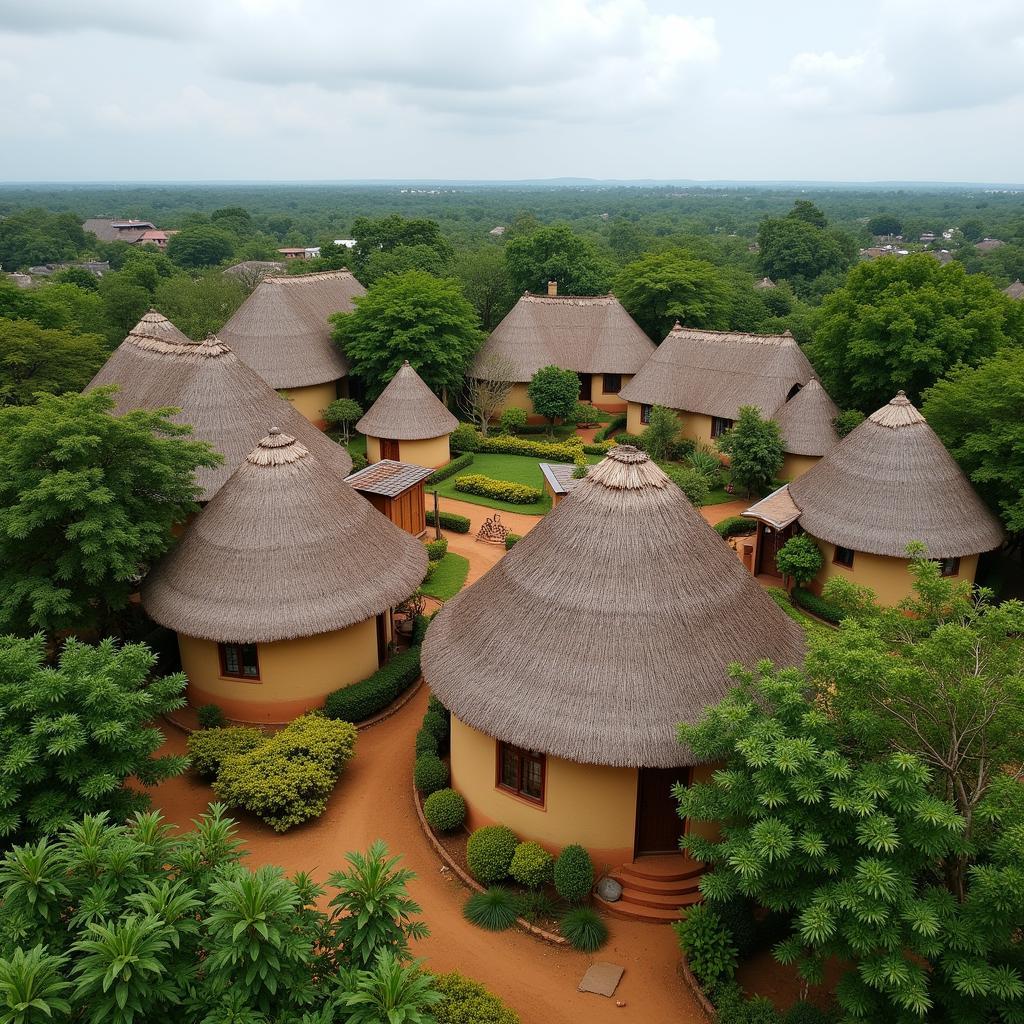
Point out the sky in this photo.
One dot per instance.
(818, 90)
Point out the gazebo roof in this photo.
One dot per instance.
(407, 410)
(226, 402)
(891, 482)
(283, 332)
(285, 549)
(806, 421)
(716, 372)
(585, 333)
(615, 618)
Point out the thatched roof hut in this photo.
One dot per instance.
(224, 401)
(283, 332)
(806, 421)
(890, 482)
(1015, 290)
(611, 621)
(584, 333)
(716, 372)
(407, 410)
(285, 549)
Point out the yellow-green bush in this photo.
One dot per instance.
(208, 748)
(468, 1002)
(289, 777)
(505, 444)
(503, 490)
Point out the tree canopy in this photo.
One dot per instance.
(754, 447)
(201, 245)
(901, 324)
(87, 501)
(799, 248)
(554, 393)
(376, 235)
(33, 359)
(413, 316)
(557, 253)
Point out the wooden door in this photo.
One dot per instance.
(585, 386)
(658, 825)
(768, 547)
(389, 449)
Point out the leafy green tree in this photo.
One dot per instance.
(663, 287)
(413, 316)
(30, 237)
(848, 421)
(74, 733)
(235, 219)
(885, 224)
(87, 502)
(54, 306)
(385, 234)
(341, 414)
(554, 393)
(754, 447)
(800, 558)
(808, 212)
(33, 359)
(199, 306)
(485, 281)
(201, 245)
(123, 305)
(662, 433)
(977, 413)
(557, 253)
(901, 324)
(80, 277)
(973, 229)
(402, 259)
(797, 251)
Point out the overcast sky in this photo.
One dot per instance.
(334, 89)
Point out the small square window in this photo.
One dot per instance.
(844, 556)
(719, 425)
(239, 661)
(521, 772)
(611, 383)
(645, 414)
(949, 566)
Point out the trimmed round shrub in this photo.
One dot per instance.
(489, 853)
(437, 549)
(574, 874)
(210, 748)
(445, 810)
(584, 929)
(494, 909)
(430, 774)
(438, 724)
(465, 438)
(433, 704)
(511, 539)
(426, 742)
(532, 865)
(513, 419)
(211, 717)
(468, 1002)
(735, 526)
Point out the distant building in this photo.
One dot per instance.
(97, 267)
(928, 236)
(308, 252)
(764, 284)
(349, 243)
(109, 230)
(156, 237)
(944, 256)
(989, 244)
(497, 231)
(20, 280)
(1015, 290)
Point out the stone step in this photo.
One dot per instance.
(670, 868)
(664, 900)
(656, 886)
(638, 912)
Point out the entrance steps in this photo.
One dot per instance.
(657, 889)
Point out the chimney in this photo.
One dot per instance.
(552, 289)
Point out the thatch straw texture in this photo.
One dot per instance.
(611, 621)
(891, 482)
(1015, 290)
(407, 410)
(284, 550)
(716, 372)
(224, 401)
(805, 421)
(588, 334)
(282, 329)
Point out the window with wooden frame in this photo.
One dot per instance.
(844, 556)
(645, 414)
(948, 566)
(719, 425)
(239, 661)
(611, 383)
(522, 772)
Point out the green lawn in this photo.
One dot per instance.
(520, 469)
(449, 577)
(357, 445)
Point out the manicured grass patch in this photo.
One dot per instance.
(357, 445)
(449, 577)
(720, 495)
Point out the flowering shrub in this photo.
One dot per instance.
(503, 490)
(208, 748)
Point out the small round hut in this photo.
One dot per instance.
(408, 423)
(807, 424)
(281, 589)
(569, 665)
(224, 401)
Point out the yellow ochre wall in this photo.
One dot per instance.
(693, 425)
(592, 805)
(888, 577)
(295, 675)
(609, 401)
(311, 401)
(431, 452)
(796, 465)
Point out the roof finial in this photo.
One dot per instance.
(677, 326)
(274, 431)
(405, 362)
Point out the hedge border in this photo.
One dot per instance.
(450, 521)
(450, 468)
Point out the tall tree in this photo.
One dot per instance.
(754, 447)
(33, 359)
(413, 316)
(557, 253)
(554, 393)
(87, 502)
(485, 280)
(201, 245)
(201, 305)
(901, 324)
(384, 234)
(795, 250)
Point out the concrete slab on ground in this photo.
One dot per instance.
(602, 978)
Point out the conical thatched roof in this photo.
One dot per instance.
(1015, 290)
(585, 333)
(407, 410)
(282, 330)
(890, 482)
(716, 372)
(611, 621)
(284, 550)
(806, 421)
(224, 401)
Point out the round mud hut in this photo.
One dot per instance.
(224, 401)
(807, 425)
(281, 589)
(283, 331)
(569, 665)
(408, 423)
(887, 484)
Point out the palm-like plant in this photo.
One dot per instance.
(31, 988)
(391, 991)
(31, 879)
(372, 911)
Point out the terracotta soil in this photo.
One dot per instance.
(374, 800)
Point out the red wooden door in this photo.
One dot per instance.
(658, 825)
(389, 449)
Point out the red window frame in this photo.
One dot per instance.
(846, 559)
(521, 760)
(645, 414)
(222, 653)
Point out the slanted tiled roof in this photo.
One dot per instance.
(559, 476)
(388, 478)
